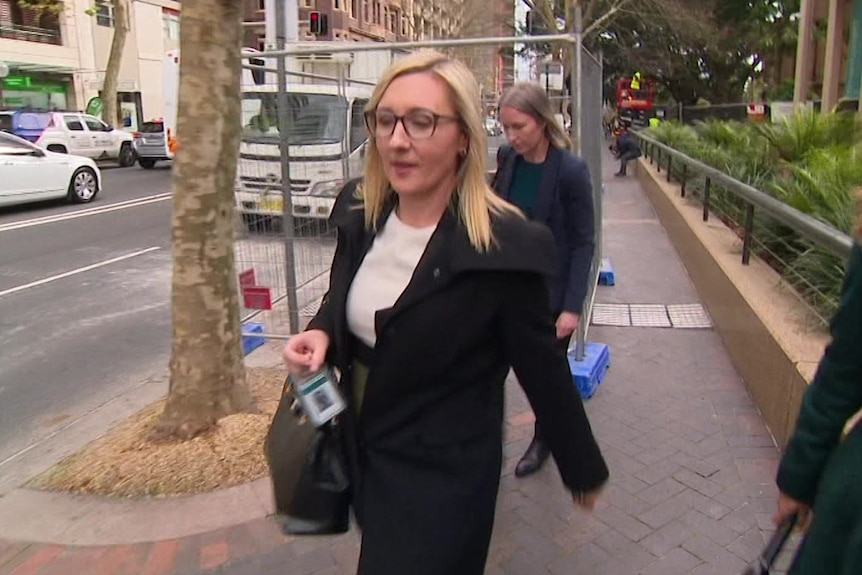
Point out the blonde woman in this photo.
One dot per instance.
(437, 287)
(819, 471)
(537, 173)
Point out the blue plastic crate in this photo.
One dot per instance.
(590, 371)
(251, 342)
(606, 273)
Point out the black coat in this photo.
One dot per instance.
(426, 451)
(565, 204)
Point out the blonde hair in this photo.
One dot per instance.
(476, 201)
(530, 99)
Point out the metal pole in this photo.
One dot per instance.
(579, 74)
(284, 121)
(345, 144)
(576, 88)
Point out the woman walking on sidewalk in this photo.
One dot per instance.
(436, 288)
(820, 469)
(537, 173)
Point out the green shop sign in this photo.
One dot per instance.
(28, 84)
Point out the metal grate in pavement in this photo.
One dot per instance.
(649, 315)
(683, 316)
(689, 316)
(611, 314)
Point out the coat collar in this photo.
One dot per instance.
(518, 245)
(547, 185)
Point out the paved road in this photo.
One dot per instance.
(84, 293)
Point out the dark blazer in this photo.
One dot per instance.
(565, 205)
(425, 452)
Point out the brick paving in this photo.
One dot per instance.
(692, 463)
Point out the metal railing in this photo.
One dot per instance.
(31, 34)
(809, 253)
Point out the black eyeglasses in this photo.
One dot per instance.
(418, 124)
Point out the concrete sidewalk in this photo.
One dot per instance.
(692, 464)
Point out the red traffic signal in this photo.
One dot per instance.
(318, 23)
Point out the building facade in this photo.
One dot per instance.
(406, 20)
(57, 59)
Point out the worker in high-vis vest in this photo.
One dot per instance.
(636, 81)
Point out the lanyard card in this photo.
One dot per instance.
(319, 396)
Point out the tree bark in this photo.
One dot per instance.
(207, 378)
(115, 58)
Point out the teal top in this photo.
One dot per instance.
(525, 185)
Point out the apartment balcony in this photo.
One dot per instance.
(12, 31)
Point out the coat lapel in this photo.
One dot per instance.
(503, 184)
(431, 274)
(547, 187)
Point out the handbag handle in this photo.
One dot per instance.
(773, 548)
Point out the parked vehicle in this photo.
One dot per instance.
(328, 134)
(151, 144)
(74, 133)
(6, 120)
(29, 173)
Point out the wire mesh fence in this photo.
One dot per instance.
(310, 125)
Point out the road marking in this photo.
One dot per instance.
(85, 213)
(77, 271)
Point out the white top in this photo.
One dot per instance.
(384, 274)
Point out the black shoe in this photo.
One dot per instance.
(535, 456)
(620, 175)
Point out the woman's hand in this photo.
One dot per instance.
(306, 351)
(567, 323)
(788, 506)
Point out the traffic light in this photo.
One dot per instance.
(318, 23)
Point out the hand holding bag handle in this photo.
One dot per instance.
(767, 558)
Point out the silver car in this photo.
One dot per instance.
(151, 144)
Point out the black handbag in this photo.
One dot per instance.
(308, 472)
(763, 564)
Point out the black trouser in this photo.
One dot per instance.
(563, 344)
(625, 158)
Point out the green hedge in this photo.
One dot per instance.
(810, 161)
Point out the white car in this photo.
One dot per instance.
(29, 173)
(75, 133)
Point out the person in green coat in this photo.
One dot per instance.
(820, 475)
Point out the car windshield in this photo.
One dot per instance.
(314, 118)
(12, 146)
(32, 120)
(152, 128)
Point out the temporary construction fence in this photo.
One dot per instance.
(302, 114)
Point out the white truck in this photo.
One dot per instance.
(327, 137)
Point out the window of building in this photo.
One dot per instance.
(104, 12)
(366, 16)
(261, 42)
(339, 5)
(261, 5)
(354, 9)
(171, 21)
